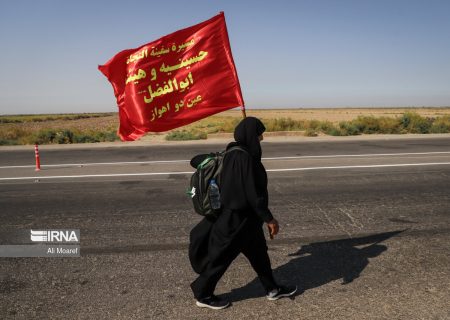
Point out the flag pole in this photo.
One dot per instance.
(243, 112)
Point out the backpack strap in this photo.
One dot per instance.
(236, 148)
(204, 162)
(212, 155)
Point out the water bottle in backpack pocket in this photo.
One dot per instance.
(214, 195)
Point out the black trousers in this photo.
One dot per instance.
(252, 243)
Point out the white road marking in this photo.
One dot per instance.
(187, 161)
(359, 155)
(190, 172)
(362, 166)
(96, 164)
(98, 175)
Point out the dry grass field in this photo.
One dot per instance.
(73, 128)
(336, 115)
(330, 121)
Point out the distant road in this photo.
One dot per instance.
(272, 147)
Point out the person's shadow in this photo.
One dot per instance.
(319, 263)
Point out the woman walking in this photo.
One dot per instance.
(215, 243)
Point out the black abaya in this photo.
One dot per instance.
(214, 244)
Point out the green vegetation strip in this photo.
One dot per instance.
(410, 122)
(54, 136)
(46, 117)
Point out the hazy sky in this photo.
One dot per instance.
(313, 53)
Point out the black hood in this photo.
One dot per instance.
(246, 134)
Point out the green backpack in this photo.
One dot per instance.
(199, 188)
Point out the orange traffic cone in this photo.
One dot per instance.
(38, 161)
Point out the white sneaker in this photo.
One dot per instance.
(213, 302)
(281, 292)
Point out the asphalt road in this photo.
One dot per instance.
(365, 228)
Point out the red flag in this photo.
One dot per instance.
(175, 80)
